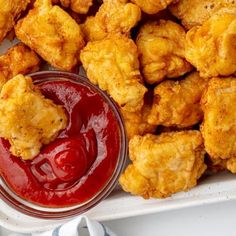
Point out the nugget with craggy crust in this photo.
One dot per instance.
(113, 65)
(113, 17)
(18, 60)
(27, 119)
(211, 47)
(10, 11)
(78, 6)
(219, 126)
(161, 46)
(52, 33)
(152, 6)
(177, 103)
(164, 164)
(136, 123)
(196, 12)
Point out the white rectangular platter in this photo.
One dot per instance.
(212, 189)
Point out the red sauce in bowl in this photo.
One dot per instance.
(79, 163)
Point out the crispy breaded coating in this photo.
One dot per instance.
(177, 103)
(18, 60)
(113, 17)
(113, 65)
(78, 6)
(196, 12)
(161, 46)
(164, 164)
(136, 123)
(134, 182)
(52, 33)
(211, 47)
(27, 119)
(152, 6)
(10, 11)
(231, 165)
(219, 126)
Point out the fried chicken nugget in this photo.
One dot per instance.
(113, 17)
(219, 126)
(177, 103)
(78, 6)
(136, 123)
(152, 6)
(10, 11)
(211, 47)
(113, 65)
(27, 119)
(164, 164)
(161, 46)
(52, 33)
(196, 12)
(18, 60)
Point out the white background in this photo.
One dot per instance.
(211, 220)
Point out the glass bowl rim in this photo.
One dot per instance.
(109, 186)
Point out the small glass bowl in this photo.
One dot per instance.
(34, 210)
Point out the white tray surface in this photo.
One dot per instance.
(217, 188)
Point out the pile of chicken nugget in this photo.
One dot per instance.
(170, 66)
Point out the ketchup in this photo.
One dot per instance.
(79, 162)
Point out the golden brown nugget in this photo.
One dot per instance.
(78, 6)
(18, 60)
(52, 33)
(219, 126)
(161, 46)
(152, 6)
(231, 165)
(113, 17)
(196, 12)
(164, 164)
(177, 103)
(211, 47)
(136, 123)
(27, 119)
(113, 65)
(10, 11)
